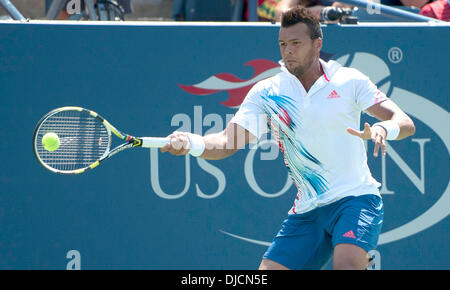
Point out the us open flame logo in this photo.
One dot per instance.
(428, 112)
(237, 88)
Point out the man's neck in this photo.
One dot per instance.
(310, 76)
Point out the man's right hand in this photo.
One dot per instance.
(178, 145)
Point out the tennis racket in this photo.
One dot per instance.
(84, 140)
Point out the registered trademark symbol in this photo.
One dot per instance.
(395, 55)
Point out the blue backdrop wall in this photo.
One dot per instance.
(147, 210)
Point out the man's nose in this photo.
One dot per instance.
(289, 49)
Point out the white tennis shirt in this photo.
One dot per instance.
(325, 162)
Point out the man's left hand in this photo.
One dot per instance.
(376, 133)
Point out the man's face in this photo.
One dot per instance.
(297, 48)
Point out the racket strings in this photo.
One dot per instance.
(82, 140)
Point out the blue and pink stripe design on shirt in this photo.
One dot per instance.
(285, 123)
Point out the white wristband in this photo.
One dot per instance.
(391, 127)
(197, 144)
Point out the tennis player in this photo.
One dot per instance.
(313, 108)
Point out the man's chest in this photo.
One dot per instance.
(326, 107)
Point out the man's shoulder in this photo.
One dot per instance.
(339, 73)
(270, 82)
(350, 73)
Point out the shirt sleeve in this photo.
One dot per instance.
(250, 115)
(367, 93)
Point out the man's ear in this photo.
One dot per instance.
(318, 43)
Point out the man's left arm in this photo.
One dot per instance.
(394, 125)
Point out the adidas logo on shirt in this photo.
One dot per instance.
(333, 95)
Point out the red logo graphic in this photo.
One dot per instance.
(349, 234)
(237, 88)
(333, 95)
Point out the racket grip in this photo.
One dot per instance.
(154, 142)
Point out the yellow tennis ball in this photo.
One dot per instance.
(50, 141)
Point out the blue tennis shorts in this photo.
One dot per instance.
(306, 241)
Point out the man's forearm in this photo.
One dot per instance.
(406, 125)
(388, 111)
(217, 147)
(213, 146)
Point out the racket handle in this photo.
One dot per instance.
(154, 142)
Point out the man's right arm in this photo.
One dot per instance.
(217, 146)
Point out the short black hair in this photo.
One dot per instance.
(300, 14)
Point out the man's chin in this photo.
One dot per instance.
(298, 71)
(294, 69)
